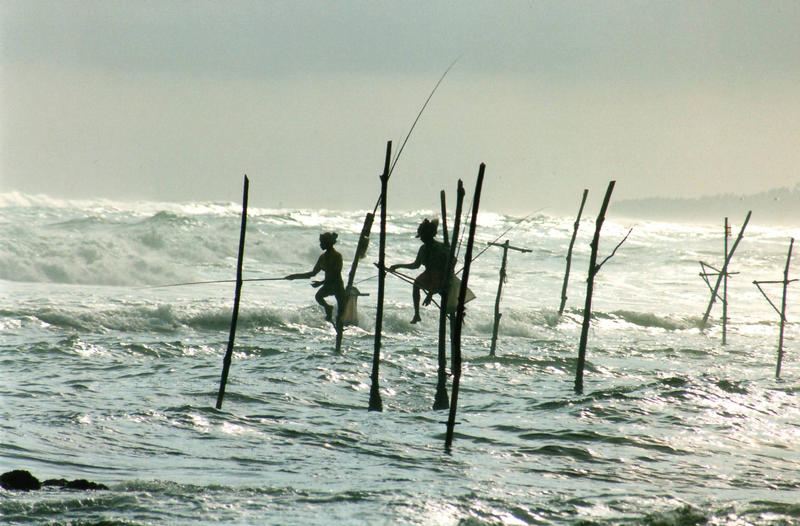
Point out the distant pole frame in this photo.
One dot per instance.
(782, 311)
(722, 272)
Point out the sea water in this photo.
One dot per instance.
(109, 378)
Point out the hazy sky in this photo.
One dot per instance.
(176, 100)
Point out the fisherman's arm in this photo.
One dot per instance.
(416, 264)
(306, 275)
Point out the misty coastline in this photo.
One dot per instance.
(778, 206)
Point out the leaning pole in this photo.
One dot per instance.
(226, 362)
(569, 253)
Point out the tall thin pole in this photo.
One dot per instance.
(441, 399)
(587, 309)
(226, 362)
(569, 253)
(503, 275)
(443, 199)
(783, 310)
(725, 290)
(497, 314)
(460, 312)
(375, 402)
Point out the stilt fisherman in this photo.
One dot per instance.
(330, 261)
(433, 255)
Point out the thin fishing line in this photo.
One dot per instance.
(397, 157)
(408, 135)
(506, 231)
(208, 282)
(365, 279)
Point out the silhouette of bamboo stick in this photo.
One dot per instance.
(569, 253)
(226, 362)
(441, 399)
(497, 315)
(460, 312)
(375, 402)
(594, 268)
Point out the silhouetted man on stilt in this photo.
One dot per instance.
(433, 256)
(329, 261)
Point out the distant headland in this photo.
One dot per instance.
(778, 206)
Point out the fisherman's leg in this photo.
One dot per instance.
(321, 293)
(415, 296)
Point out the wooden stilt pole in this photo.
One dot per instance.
(226, 362)
(782, 311)
(725, 290)
(460, 312)
(375, 402)
(724, 270)
(594, 268)
(361, 249)
(497, 315)
(442, 400)
(443, 199)
(569, 253)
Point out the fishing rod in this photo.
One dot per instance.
(207, 282)
(404, 277)
(506, 231)
(430, 96)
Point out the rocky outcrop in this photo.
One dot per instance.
(19, 479)
(74, 484)
(22, 480)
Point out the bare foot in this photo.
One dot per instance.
(416, 318)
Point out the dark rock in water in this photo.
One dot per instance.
(74, 484)
(85, 484)
(19, 479)
(61, 483)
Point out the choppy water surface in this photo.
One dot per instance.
(107, 380)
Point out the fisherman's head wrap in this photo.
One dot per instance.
(427, 229)
(328, 239)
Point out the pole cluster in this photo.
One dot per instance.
(460, 310)
(722, 277)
